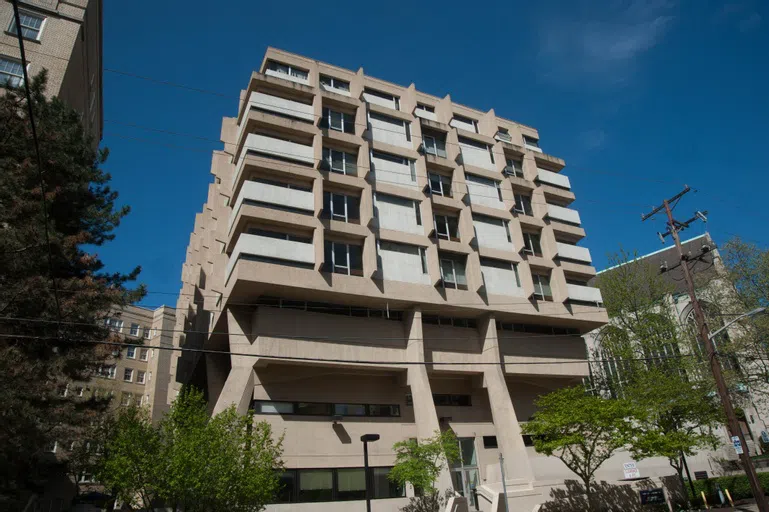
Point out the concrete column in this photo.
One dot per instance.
(425, 415)
(239, 386)
(517, 468)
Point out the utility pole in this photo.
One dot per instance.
(674, 227)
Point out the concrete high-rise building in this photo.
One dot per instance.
(66, 39)
(354, 225)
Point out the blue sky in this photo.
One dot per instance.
(639, 97)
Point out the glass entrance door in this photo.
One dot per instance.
(464, 472)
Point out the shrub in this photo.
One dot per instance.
(738, 487)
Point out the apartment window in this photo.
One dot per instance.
(480, 187)
(340, 121)
(331, 309)
(440, 184)
(342, 258)
(464, 123)
(147, 332)
(290, 186)
(490, 442)
(143, 354)
(488, 263)
(128, 375)
(134, 330)
(434, 144)
(335, 484)
(31, 25)
(542, 288)
(107, 372)
(381, 98)
(340, 207)
(423, 256)
(523, 204)
(446, 400)
(390, 174)
(503, 134)
(514, 167)
(339, 161)
(11, 72)
(287, 70)
(468, 323)
(531, 244)
(324, 409)
(125, 399)
(334, 83)
(130, 352)
(426, 108)
(280, 236)
(114, 324)
(446, 227)
(530, 141)
(141, 377)
(453, 271)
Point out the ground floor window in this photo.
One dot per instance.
(337, 484)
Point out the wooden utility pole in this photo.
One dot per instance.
(674, 227)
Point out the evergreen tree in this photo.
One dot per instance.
(53, 296)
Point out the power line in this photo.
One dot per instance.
(349, 361)
(33, 127)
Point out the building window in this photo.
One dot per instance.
(514, 167)
(351, 484)
(339, 161)
(143, 354)
(147, 332)
(426, 108)
(330, 309)
(107, 371)
(381, 98)
(325, 409)
(490, 441)
(334, 83)
(542, 287)
(11, 72)
(114, 324)
(342, 258)
(340, 207)
(287, 70)
(280, 236)
(338, 484)
(434, 144)
(128, 375)
(530, 142)
(468, 323)
(340, 121)
(140, 377)
(446, 227)
(453, 271)
(134, 330)
(316, 485)
(125, 399)
(488, 263)
(503, 134)
(531, 244)
(464, 123)
(31, 25)
(446, 400)
(130, 352)
(440, 184)
(423, 255)
(523, 204)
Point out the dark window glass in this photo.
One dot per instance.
(315, 485)
(452, 400)
(313, 409)
(349, 123)
(384, 410)
(528, 441)
(490, 441)
(349, 409)
(287, 487)
(382, 486)
(351, 484)
(353, 208)
(356, 257)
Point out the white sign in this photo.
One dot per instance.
(737, 444)
(765, 436)
(630, 470)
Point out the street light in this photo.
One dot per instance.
(367, 438)
(744, 315)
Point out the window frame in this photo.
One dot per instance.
(141, 377)
(144, 354)
(128, 372)
(523, 205)
(454, 282)
(529, 241)
(333, 82)
(445, 224)
(23, 12)
(327, 116)
(291, 70)
(134, 330)
(531, 142)
(444, 181)
(327, 155)
(332, 215)
(435, 150)
(537, 279)
(335, 268)
(130, 352)
(19, 79)
(512, 168)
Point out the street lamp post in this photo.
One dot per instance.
(367, 438)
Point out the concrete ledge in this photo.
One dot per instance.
(484, 139)
(385, 111)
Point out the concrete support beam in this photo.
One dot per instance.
(518, 471)
(425, 415)
(239, 386)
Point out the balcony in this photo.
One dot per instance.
(280, 149)
(476, 156)
(573, 252)
(284, 197)
(424, 114)
(271, 248)
(389, 131)
(580, 293)
(393, 170)
(553, 178)
(567, 215)
(282, 106)
(286, 76)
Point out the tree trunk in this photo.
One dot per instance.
(588, 494)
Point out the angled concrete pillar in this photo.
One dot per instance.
(239, 386)
(425, 415)
(518, 471)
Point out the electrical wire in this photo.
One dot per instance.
(346, 361)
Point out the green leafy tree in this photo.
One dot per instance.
(420, 463)
(39, 355)
(190, 461)
(654, 363)
(581, 429)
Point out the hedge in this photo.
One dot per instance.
(738, 487)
